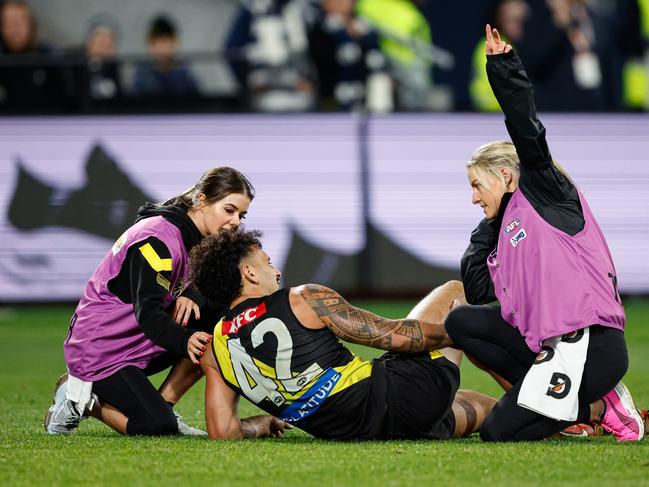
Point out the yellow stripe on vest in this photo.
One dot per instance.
(222, 355)
(154, 259)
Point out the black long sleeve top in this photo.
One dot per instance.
(138, 283)
(549, 191)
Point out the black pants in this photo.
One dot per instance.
(130, 391)
(484, 335)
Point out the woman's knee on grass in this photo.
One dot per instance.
(493, 429)
(162, 424)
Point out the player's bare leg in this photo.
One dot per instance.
(470, 408)
(182, 376)
(110, 416)
(435, 307)
(502, 382)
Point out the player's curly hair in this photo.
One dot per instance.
(214, 264)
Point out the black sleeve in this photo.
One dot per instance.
(478, 287)
(514, 93)
(139, 283)
(550, 192)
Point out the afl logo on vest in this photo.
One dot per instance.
(512, 225)
(559, 386)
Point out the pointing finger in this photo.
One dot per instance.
(496, 35)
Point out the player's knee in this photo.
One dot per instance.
(488, 431)
(457, 324)
(456, 286)
(165, 424)
(491, 430)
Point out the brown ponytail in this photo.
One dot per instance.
(215, 184)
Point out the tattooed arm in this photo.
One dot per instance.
(319, 307)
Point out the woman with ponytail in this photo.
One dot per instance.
(135, 316)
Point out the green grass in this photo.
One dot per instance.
(32, 359)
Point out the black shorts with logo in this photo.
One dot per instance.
(408, 396)
(420, 393)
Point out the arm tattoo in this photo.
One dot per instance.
(359, 326)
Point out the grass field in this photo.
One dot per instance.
(32, 359)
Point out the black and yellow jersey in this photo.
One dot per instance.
(303, 376)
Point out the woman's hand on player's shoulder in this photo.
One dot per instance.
(182, 310)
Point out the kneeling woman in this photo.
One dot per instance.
(556, 340)
(133, 318)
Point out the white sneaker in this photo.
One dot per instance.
(62, 418)
(186, 430)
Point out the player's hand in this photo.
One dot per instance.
(262, 426)
(182, 310)
(494, 45)
(277, 426)
(196, 345)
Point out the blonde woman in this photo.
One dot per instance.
(556, 340)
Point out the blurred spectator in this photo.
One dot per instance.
(406, 40)
(567, 51)
(268, 54)
(30, 76)
(574, 49)
(101, 43)
(97, 71)
(509, 17)
(164, 75)
(633, 34)
(351, 68)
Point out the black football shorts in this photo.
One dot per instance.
(420, 392)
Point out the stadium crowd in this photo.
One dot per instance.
(335, 55)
